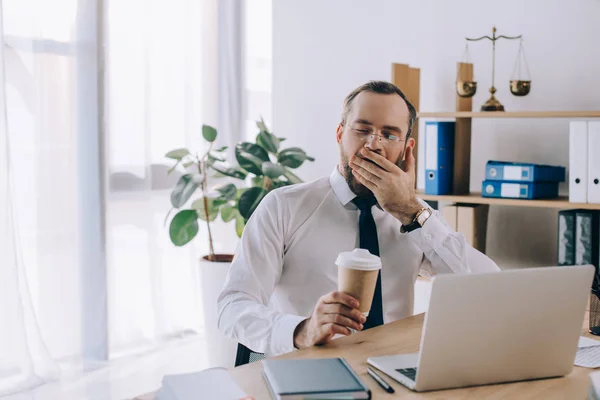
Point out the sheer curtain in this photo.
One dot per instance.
(24, 359)
(169, 69)
(97, 91)
(51, 108)
(157, 63)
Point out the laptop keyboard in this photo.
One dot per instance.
(410, 373)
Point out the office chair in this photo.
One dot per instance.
(245, 355)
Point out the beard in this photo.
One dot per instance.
(357, 188)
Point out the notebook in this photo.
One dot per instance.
(325, 378)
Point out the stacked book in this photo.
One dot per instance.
(521, 180)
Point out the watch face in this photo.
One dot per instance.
(424, 216)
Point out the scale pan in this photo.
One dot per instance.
(520, 88)
(466, 88)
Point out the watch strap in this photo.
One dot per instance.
(415, 223)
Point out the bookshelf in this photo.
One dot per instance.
(561, 202)
(511, 114)
(409, 79)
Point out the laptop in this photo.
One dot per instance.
(505, 326)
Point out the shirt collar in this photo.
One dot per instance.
(340, 187)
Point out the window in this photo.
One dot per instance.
(258, 61)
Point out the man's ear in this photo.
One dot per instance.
(410, 145)
(339, 132)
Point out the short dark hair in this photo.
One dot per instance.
(381, 87)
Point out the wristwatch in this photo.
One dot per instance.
(422, 216)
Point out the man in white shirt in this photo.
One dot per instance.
(281, 290)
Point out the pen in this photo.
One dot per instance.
(379, 380)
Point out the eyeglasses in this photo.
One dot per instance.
(387, 139)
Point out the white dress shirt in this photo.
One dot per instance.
(286, 261)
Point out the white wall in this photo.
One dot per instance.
(322, 49)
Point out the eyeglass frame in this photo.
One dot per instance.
(364, 139)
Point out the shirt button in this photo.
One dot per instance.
(427, 236)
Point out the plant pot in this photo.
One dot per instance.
(221, 350)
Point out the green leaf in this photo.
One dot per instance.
(184, 227)
(209, 133)
(228, 213)
(218, 175)
(227, 170)
(293, 157)
(220, 203)
(272, 170)
(221, 149)
(251, 157)
(291, 177)
(240, 223)
(213, 211)
(228, 191)
(187, 164)
(292, 150)
(214, 155)
(281, 139)
(183, 190)
(239, 194)
(177, 154)
(261, 125)
(250, 200)
(268, 141)
(173, 167)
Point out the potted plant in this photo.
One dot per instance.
(266, 168)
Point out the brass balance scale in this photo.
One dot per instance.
(520, 84)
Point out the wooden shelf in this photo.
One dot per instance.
(475, 198)
(511, 114)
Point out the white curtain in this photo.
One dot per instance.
(24, 359)
(96, 92)
(51, 91)
(156, 65)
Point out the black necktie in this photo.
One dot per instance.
(369, 241)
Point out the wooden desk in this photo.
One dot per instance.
(404, 337)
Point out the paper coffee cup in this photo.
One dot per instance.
(357, 276)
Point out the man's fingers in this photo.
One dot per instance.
(361, 179)
(341, 298)
(361, 163)
(365, 173)
(341, 309)
(383, 162)
(332, 328)
(341, 320)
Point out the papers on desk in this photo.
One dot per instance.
(214, 383)
(588, 353)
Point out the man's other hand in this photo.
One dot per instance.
(335, 313)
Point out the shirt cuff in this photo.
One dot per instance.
(431, 235)
(283, 333)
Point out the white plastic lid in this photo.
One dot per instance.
(358, 259)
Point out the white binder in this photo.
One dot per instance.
(578, 161)
(593, 195)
